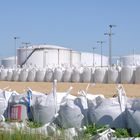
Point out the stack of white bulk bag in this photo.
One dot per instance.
(75, 76)
(69, 115)
(9, 75)
(137, 75)
(108, 112)
(16, 74)
(44, 109)
(86, 75)
(23, 75)
(67, 75)
(127, 75)
(3, 74)
(31, 75)
(133, 116)
(49, 75)
(40, 75)
(100, 75)
(113, 76)
(58, 74)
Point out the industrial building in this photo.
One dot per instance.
(44, 55)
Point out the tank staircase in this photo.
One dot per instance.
(35, 49)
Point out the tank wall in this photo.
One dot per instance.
(8, 63)
(76, 58)
(64, 57)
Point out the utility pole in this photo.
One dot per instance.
(110, 43)
(133, 56)
(93, 56)
(26, 45)
(101, 42)
(15, 38)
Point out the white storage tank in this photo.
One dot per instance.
(8, 62)
(130, 60)
(43, 55)
(88, 59)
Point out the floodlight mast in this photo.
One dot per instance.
(15, 38)
(110, 43)
(101, 42)
(93, 56)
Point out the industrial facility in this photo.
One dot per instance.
(45, 55)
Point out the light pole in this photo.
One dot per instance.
(15, 38)
(101, 42)
(110, 43)
(93, 56)
(26, 45)
(133, 56)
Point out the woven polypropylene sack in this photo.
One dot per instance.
(58, 74)
(100, 76)
(3, 74)
(75, 76)
(113, 76)
(40, 75)
(49, 75)
(67, 75)
(86, 75)
(23, 75)
(127, 75)
(31, 75)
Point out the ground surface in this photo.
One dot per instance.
(132, 90)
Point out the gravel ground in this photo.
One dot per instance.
(132, 90)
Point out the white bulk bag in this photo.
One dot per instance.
(44, 109)
(137, 75)
(3, 106)
(3, 74)
(40, 75)
(9, 75)
(107, 112)
(16, 74)
(23, 75)
(49, 75)
(75, 76)
(67, 75)
(31, 75)
(113, 76)
(133, 116)
(57, 75)
(86, 75)
(127, 75)
(69, 115)
(100, 76)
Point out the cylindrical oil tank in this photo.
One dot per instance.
(43, 55)
(130, 60)
(8, 62)
(75, 58)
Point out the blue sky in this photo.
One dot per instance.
(76, 24)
